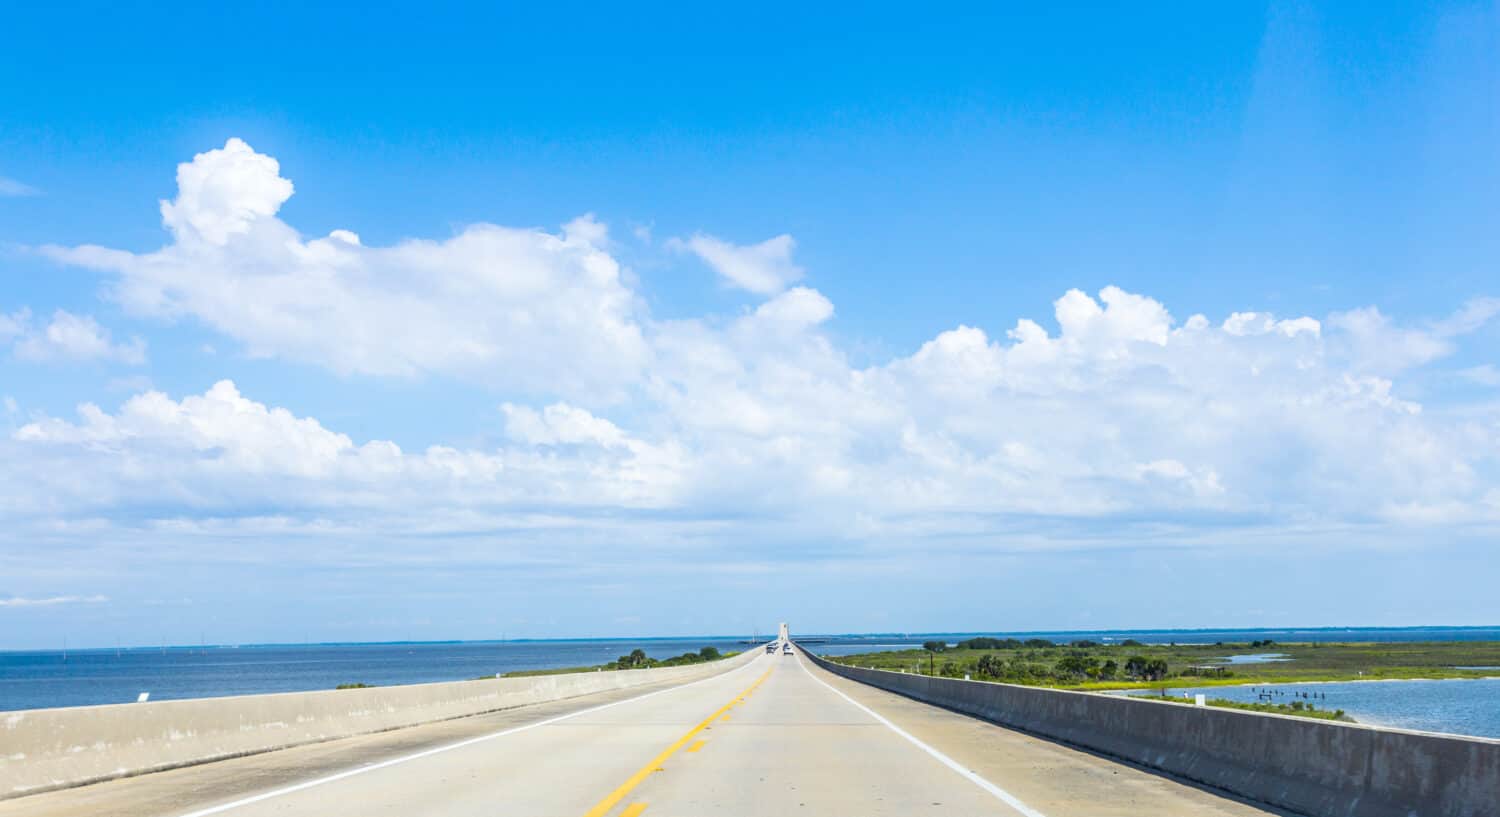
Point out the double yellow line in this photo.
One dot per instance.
(613, 799)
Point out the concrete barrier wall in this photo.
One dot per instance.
(42, 749)
(1309, 766)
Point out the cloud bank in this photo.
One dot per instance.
(1109, 411)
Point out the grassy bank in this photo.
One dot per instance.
(637, 659)
(1294, 708)
(1128, 665)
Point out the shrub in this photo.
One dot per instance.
(991, 665)
(987, 643)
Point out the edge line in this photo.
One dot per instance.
(448, 747)
(1001, 794)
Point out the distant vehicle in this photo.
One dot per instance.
(786, 649)
(770, 648)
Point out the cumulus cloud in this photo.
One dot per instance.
(797, 308)
(765, 268)
(222, 193)
(1259, 323)
(734, 425)
(67, 337)
(1122, 411)
(558, 424)
(221, 452)
(518, 308)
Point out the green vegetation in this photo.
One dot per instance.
(354, 686)
(1130, 664)
(1294, 708)
(637, 659)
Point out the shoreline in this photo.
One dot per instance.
(1127, 690)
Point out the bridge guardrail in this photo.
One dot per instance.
(45, 749)
(1310, 766)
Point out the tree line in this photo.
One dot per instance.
(1028, 667)
(637, 659)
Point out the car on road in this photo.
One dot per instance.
(786, 649)
(770, 648)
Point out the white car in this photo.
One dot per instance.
(786, 649)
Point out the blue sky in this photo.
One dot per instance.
(606, 322)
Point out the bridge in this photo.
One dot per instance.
(763, 733)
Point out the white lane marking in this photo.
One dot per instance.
(1004, 796)
(222, 807)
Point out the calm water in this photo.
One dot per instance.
(31, 680)
(39, 679)
(853, 644)
(1256, 658)
(1461, 706)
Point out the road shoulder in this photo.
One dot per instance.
(1055, 779)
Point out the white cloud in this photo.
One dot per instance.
(222, 452)
(222, 193)
(560, 423)
(220, 426)
(1123, 318)
(1474, 314)
(520, 308)
(1260, 323)
(766, 422)
(765, 268)
(14, 325)
(10, 188)
(67, 337)
(1376, 344)
(1203, 482)
(18, 601)
(751, 428)
(797, 308)
(1485, 375)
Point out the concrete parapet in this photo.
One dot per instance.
(1314, 767)
(44, 749)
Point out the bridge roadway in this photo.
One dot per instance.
(776, 737)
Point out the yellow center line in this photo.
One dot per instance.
(603, 806)
(633, 810)
(696, 745)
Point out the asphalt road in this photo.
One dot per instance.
(776, 737)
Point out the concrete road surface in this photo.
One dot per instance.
(776, 737)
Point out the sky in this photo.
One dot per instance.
(517, 321)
